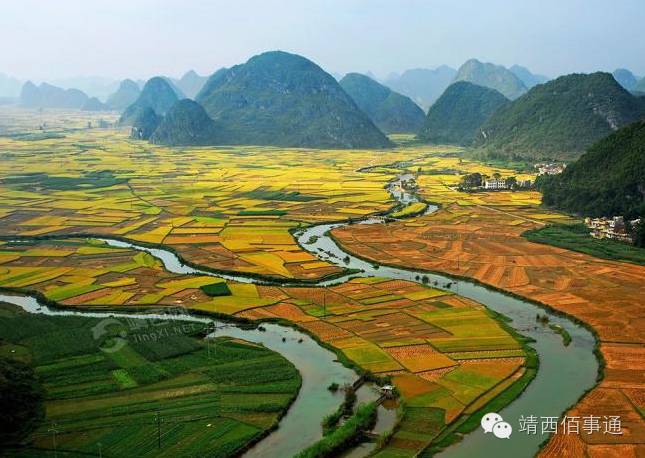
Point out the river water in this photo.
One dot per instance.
(564, 375)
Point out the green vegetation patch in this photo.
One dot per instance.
(123, 379)
(216, 289)
(21, 401)
(345, 436)
(576, 237)
(287, 196)
(211, 400)
(262, 213)
(94, 179)
(607, 180)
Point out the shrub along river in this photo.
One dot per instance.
(564, 375)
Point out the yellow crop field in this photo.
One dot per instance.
(230, 207)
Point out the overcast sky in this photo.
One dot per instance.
(47, 39)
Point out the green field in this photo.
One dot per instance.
(144, 384)
(576, 237)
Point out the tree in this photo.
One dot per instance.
(638, 233)
(511, 182)
(21, 401)
(472, 180)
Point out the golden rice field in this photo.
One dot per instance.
(228, 209)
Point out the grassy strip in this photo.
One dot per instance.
(345, 436)
(330, 422)
(566, 337)
(576, 237)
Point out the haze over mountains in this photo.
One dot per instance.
(93, 86)
(625, 78)
(9, 86)
(102, 88)
(94, 104)
(493, 76)
(528, 78)
(389, 110)
(125, 95)
(640, 87)
(282, 99)
(190, 84)
(422, 85)
(47, 96)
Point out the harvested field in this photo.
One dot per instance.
(487, 245)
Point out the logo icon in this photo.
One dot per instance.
(493, 422)
(111, 343)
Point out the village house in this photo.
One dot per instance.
(610, 228)
(550, 168)
(495, 184)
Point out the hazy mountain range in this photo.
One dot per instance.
(389, 110)
(625, 78)
(528, 78)
(191, 83)
(9, 86)
(493, 76)
(124, 96)
(48, 96)
(157, 94)
(283, 99)
(94, 104)
(422, 85)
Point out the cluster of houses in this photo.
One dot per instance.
(550, 168)
(611, 228)
(410, 184)
(502, 183)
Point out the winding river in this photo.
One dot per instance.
(565, 373)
